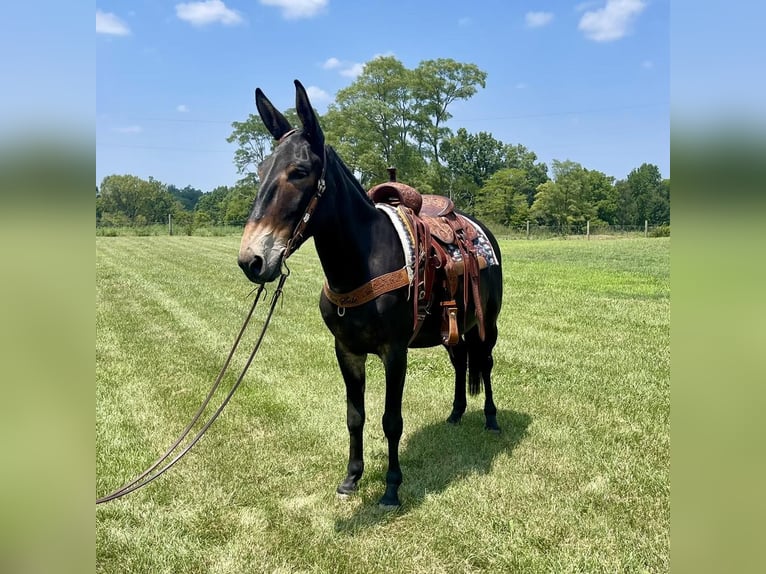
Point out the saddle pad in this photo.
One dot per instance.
(481, 244)
(406, 236)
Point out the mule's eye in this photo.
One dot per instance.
(298, 172)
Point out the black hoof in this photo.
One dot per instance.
(346, 488)
(390, 500)
(388, 505)
(491, 425)
(454, 418)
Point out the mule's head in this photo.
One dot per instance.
(289, 179)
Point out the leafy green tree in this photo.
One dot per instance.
(213, 204)
(573, 197)
(254, 142)
(237, 205)
(372, 121)
(135, 200)
(626, 212)
(473, 157)
(502, 199)
(187, 197)
(650, 194)
(437, 84)
(519, 157)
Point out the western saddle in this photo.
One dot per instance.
(438, 231)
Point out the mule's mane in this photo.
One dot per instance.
(333, 159)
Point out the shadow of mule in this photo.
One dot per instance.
(439, 455)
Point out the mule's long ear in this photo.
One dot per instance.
(272, 118)
(311, 127)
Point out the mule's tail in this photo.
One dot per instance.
(474, 375)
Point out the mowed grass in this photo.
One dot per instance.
(578, 481)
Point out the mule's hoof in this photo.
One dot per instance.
(346, 489)
(491, 424)
(454, 419)
(390, 500)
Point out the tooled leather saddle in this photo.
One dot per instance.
(444, 254)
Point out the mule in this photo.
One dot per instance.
(307, 191)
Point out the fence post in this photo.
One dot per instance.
(587, 229)
(527, 228)
(646, 228)
(170, 223)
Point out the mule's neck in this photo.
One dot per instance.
(345, 229)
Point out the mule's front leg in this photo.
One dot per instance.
(395, 363)
(352, 367)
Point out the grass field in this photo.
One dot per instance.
(577, 482)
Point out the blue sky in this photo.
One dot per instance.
(582, 81)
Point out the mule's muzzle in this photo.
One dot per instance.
(257, 269)
(251, 266)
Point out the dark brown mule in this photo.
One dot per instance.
(307, 190)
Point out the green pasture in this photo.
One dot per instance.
(578, 481)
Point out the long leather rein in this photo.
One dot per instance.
(165, 462)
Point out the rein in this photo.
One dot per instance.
(156, 470)
(165, 462)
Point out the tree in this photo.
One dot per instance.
(573, 197)
(213, 205)
(473, 157)
(372, 121)
(187, 197)
(134, 201)
(519, 157)
(436, 85)
(237, 205)
(650, 194)
(254, 142)
(502, 198)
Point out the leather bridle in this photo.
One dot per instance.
(297, 238)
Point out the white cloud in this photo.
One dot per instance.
(293, 9)
(183, 108)
(647, 64)
(318, 95)
(538, 19)
(611, 22)
(347, 69)
(108, 23)
(352, 70)
(331, 64)
(208, 12)
(464, 22)
(128, 129)
(521, 86)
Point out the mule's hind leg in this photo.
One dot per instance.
(352, 367)
(458, 355)
(480, 363)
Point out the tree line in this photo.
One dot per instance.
(395, 116)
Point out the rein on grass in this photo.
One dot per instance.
(156, 469)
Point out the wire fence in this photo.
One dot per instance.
(585, 230)
(528, 230)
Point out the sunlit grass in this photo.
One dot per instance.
(577, 482)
